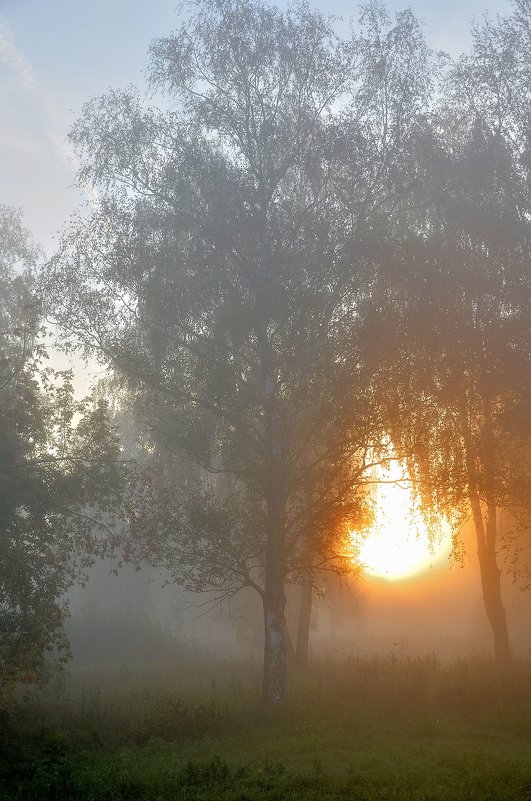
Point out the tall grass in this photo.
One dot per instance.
(362, 728)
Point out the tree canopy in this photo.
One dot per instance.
(221, 269)
(316, 242)
(459, 399)
(55, 476)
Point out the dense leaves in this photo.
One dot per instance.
(54, 476)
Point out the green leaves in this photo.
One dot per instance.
(60, 473)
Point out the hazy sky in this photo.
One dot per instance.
(55, 54)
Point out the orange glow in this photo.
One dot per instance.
(398, 545)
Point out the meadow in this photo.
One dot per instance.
(383, 728)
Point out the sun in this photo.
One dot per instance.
(398, 544)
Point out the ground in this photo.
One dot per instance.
(380, 729)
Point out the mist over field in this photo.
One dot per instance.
(360, 617)
(265, 402)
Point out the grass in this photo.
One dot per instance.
(377, 729)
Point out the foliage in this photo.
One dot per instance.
(51, 473)
(221, 273)
(454, 289)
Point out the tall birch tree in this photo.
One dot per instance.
(221, 270)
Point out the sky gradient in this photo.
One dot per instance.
(55, 55)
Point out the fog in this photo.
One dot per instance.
(134, 617)
(265, 415)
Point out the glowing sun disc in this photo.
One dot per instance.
(398, 545)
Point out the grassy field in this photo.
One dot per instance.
(379, 729)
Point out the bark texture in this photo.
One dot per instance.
(275, 684)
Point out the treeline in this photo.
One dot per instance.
(316, 244)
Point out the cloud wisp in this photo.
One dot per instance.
(14, 60)
(52, 130)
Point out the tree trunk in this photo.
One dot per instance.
(275, 684)
(486, 532)
(491, 579)
(303, 629)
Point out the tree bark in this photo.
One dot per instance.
(275, 686)
(486, 531)
(491, 579)
(275, 683)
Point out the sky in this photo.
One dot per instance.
(56, 54)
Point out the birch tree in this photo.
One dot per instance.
(220, 275)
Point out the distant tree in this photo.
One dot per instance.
(53, 475)
(221, 270)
